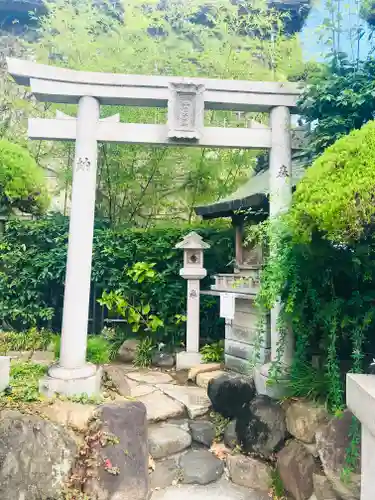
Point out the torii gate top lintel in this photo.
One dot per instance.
(116, 89)
(186, 100)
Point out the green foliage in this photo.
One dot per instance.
(98, 349)
(328, 299)
(30, 340)
(277, 489)
(213, 353)
(22, 182)
(220, 423)
(143, 353)
(24, 381)
(336, 196)
(338, 100)
(137, 316)
(32, 272)
(116, 337)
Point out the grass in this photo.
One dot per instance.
(24, 382)
(98, 349)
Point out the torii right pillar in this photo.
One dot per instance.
(280, 198)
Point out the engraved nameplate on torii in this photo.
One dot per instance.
(185, 111)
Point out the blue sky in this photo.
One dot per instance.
(312, 48)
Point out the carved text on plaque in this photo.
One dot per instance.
(185, 111)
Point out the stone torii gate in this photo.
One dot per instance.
(186, 99)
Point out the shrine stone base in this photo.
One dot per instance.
(264, 386)
(72, 382)
(186, 360)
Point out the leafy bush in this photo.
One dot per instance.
(339, 98)
(98, 349)
(213, 353)
(143, 353)
(31, 340)
(32, 272)
(336, 196)
(22, 182)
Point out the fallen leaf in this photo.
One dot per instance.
(220, 450)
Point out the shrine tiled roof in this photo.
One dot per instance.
(253, 195)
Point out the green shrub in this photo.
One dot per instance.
(213, 353)
(22, 182)
(34, 263)
(30, 340)
(336, 196)
(98, 349)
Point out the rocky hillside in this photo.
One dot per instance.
(15, 14)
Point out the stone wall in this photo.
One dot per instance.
(299, 440)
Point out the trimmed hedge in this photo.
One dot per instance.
(33, 264)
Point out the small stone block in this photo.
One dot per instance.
(202, 368)
(4, 372)
(203, 379)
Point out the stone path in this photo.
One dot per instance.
(180, 433)
(221, 490)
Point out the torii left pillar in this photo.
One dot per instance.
(72, 374)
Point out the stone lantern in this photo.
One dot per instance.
(193, 271)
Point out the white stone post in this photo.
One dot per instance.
(4, 372)
(72, 375)
(193, 271)
(280, 178)
(360, 398)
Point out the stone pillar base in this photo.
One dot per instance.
(274, 390)
(86, 380)
(186, 360)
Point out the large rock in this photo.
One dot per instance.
(128, 350)
(165, 474)
(261, 428)
(296, 467)
(200, 467)
(117, 375)
(36, 457)
(230, 394)
(166, 439)
(163, 359)
(127, 456)
(203, 432)
(333, 439)
(70, 414)
(303, 418)
(322, 488)
(249, 472)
